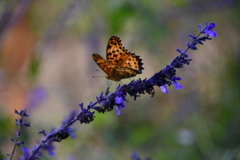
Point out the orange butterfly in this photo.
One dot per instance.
(120, 63)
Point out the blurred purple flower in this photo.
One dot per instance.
(119, 100)
(175, 83)
(35, 97)
(25, 154)
(71, 131)
(70, 117)
(119, 108)
(134, 156)
(50, 148)
(209, 30)
(164, 89)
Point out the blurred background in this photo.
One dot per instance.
(46, 66)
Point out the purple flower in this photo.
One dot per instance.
(70, 117)
(71, 132)
(119, 100)
(119, 108)
(164, 89)
(43, 132)
(192, 45)
(85, 116)
(50, 148)
(175, 83)
(134, 156)
(209, 30)
(25, 153)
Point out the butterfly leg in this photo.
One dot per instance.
(120, 82)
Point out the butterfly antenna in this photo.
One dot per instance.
(99, 71)
(97, 76)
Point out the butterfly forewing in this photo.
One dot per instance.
(119, 55)
(103, 64)
(115, 51)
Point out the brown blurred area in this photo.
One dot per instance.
(16, 48)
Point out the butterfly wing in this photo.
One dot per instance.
(103, 64)
(119, 55)
(119, 73)
(113, 71)
(120, 63)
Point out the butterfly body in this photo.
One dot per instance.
(120, 63)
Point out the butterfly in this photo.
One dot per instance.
(120, 63)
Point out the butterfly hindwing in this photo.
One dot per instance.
(123, 72)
